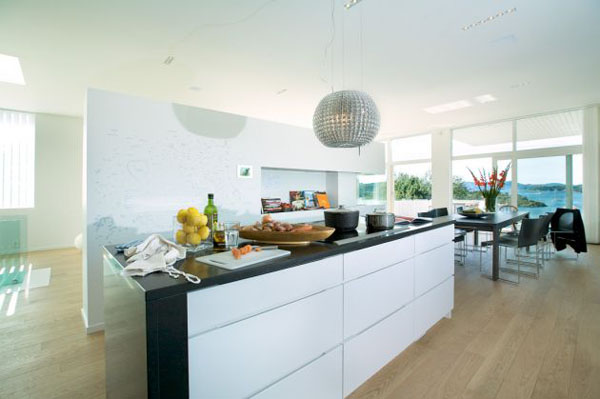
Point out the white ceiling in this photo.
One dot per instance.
(236, 55)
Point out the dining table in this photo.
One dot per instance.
(494, 223)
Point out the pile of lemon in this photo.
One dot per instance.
(194, 227)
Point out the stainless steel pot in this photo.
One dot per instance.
(341, 219)
(379, 220)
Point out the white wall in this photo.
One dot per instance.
(145, 159)
(56, 217)
(441, 169)
(591, 169)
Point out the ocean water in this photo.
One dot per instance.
(553, 200)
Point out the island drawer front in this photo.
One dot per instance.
(433, 238)
(365, 261)
(371, 298)
(243, 358)
(368, 352)
(320, 379)
(433, 306)
(433, 267)
(217, 306)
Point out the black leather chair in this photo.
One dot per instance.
(566, 228)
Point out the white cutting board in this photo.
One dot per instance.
(227, 261)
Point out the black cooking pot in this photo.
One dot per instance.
(377, 221)
(341, 219)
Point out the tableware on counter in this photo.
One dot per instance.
(316, 233)
(341, 219)
(226, 235)
(379, 220)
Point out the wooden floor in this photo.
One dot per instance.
(540, 339)
(44, 351)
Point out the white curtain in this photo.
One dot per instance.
(17, 159)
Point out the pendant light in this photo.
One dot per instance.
(346, 118)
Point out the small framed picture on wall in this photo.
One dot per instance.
(244, 172)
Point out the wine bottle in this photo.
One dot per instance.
(210, 210)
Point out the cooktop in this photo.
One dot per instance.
(362, 233)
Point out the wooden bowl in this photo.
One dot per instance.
(288, 237)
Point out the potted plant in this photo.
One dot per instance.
(489, 185)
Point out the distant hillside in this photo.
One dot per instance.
(530, 187)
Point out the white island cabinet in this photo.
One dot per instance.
(321, 329)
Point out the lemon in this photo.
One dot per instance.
(189, 228)
(182, 216)
(197, 220)
(180, 236)
(194, 239)
(204, 232)
(192, 211)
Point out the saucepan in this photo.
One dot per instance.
(380, 220)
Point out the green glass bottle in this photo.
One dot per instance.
(210, 210)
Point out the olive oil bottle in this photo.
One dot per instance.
(210, 210)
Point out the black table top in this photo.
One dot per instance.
(497, 220)
(159, 285)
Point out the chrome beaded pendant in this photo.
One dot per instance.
(345, 119)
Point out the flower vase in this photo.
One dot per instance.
(490, 203)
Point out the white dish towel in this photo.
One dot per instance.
(156, 254)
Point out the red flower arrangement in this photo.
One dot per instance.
(490, 185)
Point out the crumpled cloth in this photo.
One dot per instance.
(154, 254)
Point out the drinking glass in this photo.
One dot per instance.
(227, 234)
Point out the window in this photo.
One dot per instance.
(550, 131)
(484, 139)
(411, 174)
(372, 189)
(545, 150)
(17, 157)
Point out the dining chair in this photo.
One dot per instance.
(528, 236)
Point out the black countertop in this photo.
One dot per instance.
(160, 285)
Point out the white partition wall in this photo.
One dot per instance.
(591, 167)
(145, 159)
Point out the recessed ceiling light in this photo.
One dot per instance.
(489, 19)
(485, 98)
(351, 3)
(453, 106)
(10, 70)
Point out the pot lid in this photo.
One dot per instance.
(341, 209)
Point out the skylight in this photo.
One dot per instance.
(10, 70)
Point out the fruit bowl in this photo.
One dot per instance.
(190, 230)
(474, 215)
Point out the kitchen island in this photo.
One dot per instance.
(315, 324)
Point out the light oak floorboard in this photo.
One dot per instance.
(539, 339)
(44, 349)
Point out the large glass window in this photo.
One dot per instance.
(550, 131)
(483, 139)
(17, 152)
(542, 184)
(464, 191)
(412, 188)
(372, 189)
(546, 154)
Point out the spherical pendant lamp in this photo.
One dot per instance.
(346, 118)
